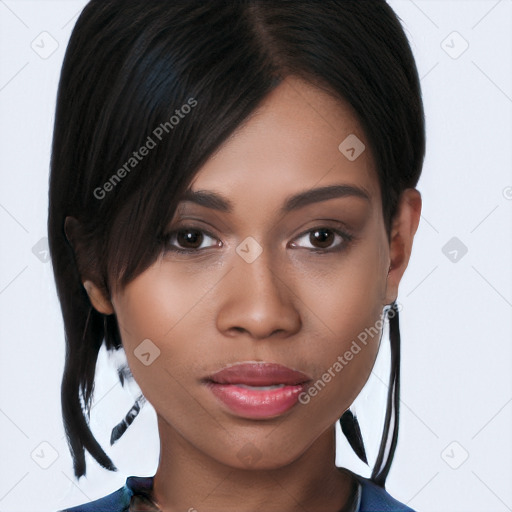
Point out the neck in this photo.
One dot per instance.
(189, 479)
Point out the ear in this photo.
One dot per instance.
(98, 298)
(404, 226)
(87, 268)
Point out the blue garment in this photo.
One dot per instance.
(372, 497)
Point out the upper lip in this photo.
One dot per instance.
(258, 374)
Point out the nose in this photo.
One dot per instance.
(253, 299)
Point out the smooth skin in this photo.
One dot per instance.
(292, 305)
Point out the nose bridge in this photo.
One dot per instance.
(255, 298)
(260, 274)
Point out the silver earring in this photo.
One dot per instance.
(123, 425)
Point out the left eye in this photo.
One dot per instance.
(324, 238)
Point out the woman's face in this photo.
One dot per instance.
(298, 282)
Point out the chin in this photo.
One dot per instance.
(252, 458)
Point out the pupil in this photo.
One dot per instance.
(191, 237)
(324, 240)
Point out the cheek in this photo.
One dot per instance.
(160, 315)
(345, 307)
(347, 292)
(349, 347)
(157, 303)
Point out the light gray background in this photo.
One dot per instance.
(454, 451)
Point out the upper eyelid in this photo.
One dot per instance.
(337, 231)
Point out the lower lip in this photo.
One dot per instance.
(253, 403)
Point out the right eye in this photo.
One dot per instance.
(187, 240)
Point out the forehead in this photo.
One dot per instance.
(299, 138)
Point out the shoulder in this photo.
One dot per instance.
(376, 499)
(118, 501)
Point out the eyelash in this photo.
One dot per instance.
(340, 247)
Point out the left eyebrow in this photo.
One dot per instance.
(316, 195)
(218, 202)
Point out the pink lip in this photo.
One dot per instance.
(257, 403)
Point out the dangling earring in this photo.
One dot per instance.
(352, 431)
(123, 425)
(383, 464)
(126, 377)
(348, 421)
